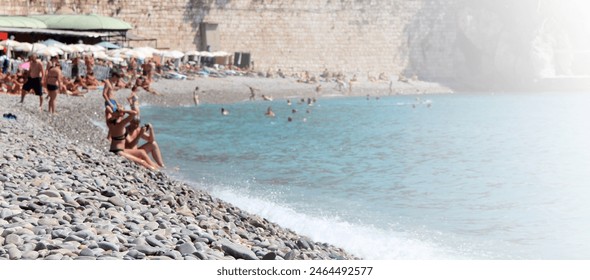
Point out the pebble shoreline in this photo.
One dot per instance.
(66, 200)
(64, 196)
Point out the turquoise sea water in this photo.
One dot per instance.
(472, 176)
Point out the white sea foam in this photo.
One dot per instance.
(363, 241)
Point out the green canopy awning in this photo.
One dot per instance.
(21, 22)
(83, 22)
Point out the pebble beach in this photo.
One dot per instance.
(64, 196)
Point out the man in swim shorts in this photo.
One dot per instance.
(34, 80)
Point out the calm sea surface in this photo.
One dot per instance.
(474, 176)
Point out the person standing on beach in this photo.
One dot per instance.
(34, 80)
(196, 96)
(108, 93)
(252, 93)
(89, 61)
(75, 67)
(148, 69)
(54, 83)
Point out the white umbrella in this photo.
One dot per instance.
(100, 55)
(197, 53)
(95, 48)
(9, 43)
(37, 46)
(148, 50)
(51, 42)
(115, 59)
(137, 54)
(49, 51)
(173, 54)
(207, 54)
(23, 47)
(116, 52)
(76, 47)
(68, 48)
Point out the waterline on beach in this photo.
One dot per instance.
(364, 241)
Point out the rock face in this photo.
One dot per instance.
(85, 203)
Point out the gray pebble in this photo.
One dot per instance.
(30, 255)
(186, 249)
(86, 252)
(14, 253)
(108, 246)
(236, 250)
(13, 239)
(154, 242)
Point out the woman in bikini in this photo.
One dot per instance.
(117, 130)
(54, 83)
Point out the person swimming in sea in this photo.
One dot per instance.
(269, 112)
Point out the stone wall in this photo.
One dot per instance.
(474, 41)
(364, 37)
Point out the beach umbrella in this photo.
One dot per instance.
(173, 54)
(87, 48)
(95, 48)
(49, 51)
(51, 42)
(139, 54)
(115, 59)
(37, 46)
(23, 47)
(114, 52)
(195, 53)
(206, 54)
(100, 55)
(9, 43)
(76, 48)
(108, 45)
(149, 50)
(67, 48)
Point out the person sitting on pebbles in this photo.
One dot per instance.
(117, 130)
(91, 82)
(135, 133)
(70, 87)
(145, 83)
